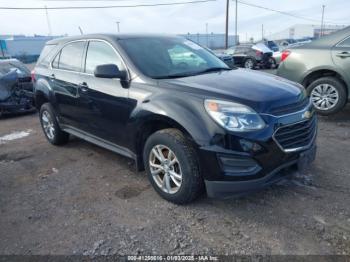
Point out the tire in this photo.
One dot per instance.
(249, 63)
(172, 142)
(271, 64)
(56, 136)
(325, 85)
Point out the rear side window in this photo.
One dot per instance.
(44, 58)
(241, 49)
(100, 53)
(345, 43)
(70, 56)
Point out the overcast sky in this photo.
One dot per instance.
(167, 19)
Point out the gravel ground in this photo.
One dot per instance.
(81, 199)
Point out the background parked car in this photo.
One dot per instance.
(228, 59)
(251, 55)
(16, 88)
(323, 67)
(271, 45)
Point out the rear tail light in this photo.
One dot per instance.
(285, 54)
(32, 73)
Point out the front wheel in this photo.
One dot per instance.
(327, 94)
(172, 166)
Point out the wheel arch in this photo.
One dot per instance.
(324, 72)
(41, 93)
(151, 125)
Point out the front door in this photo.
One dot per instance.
(106, 101)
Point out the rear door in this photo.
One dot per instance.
(105, 101)
(341, 57)
(65, 80)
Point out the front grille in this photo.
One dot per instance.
(296, 136)
(291, 108)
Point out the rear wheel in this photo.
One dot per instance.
(249, 63)
(172, 166)
(327, 94)
(50, 126)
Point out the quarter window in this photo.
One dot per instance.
(56, 60)
(100, 53)
(70, 56)
(44, 58)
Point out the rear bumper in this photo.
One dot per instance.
(225, 189)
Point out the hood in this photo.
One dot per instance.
(262, 48)
(261, 91)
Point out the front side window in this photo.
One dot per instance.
(161, 57)
(71, 56)
(100, 53)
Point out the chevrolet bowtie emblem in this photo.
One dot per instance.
(306, 115)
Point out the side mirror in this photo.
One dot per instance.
(109, 71)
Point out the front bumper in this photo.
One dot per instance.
(234, 164)
(224, 189)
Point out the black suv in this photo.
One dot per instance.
(177, 110)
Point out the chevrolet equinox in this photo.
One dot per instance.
(181, 113)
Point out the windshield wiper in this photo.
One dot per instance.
(214, 69)
(211, 69)
(175, 76)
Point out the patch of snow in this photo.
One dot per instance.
(14, 136)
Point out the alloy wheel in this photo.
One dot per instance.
(48, 125)
(249, 64)
(165, 169)
(324, 97)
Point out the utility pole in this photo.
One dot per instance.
(48, 20)
(262, 32)
(236, 24)
(206, 31)
(118, 26)
(321, 32)
(81, 30)
(226, 31)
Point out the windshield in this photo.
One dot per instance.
(171, 57)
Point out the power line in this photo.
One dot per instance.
(84, 0)
(105, 7)
(281, 12)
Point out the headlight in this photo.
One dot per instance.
(233, 116)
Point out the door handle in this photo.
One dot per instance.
(343, 54)
(52, 76)
(83, 87)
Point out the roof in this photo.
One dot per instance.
(110, 37)
(329, 40)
